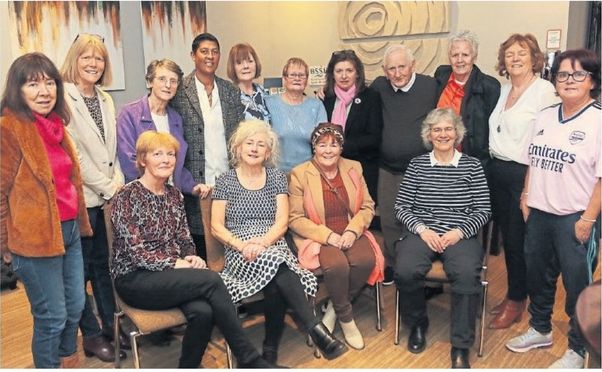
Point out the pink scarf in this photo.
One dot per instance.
(339, 115)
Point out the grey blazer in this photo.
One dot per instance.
(186, 102)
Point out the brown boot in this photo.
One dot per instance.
(72, 361)
(512, 313)
(500, 307)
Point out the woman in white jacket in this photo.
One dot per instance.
(92, 128)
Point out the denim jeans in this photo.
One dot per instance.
(96, 270)
(55, 289)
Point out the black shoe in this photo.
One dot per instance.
(330, 347)
(388, 276)
(270, 354)
(459, 358)
(430, 292)
(124, 340)
(101, 348)
(417, 339)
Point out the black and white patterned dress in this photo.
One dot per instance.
(249, 214)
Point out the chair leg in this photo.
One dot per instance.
(379, 326)
(483, 313)
(397, 315)
(134, 341)
(309, 341)
(229, 356)
(116, 317)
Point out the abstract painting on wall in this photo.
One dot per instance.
(168, 28)
(51, 27)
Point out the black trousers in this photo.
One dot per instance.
(285, 291)
(462, 264)
(204, 300)
(506, 181)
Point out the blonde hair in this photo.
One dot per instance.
(83, 43)
(151, 140)
(294, 61)
(248, 128)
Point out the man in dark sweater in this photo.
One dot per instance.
(407, 97)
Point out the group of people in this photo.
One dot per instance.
(431, 152)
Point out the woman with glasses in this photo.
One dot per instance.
(294, 115)
(243, 67)
(357, 109)
(152, 112)
(87, 67)
(443, 201)
(519, 59)
(561, 201)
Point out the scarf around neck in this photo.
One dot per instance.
(339, 115)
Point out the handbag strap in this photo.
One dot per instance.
(333, 189)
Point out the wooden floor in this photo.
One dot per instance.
(380, 352)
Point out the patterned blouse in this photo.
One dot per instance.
(93, 105)
(150, 231)
(255, 107)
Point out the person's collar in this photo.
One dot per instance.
(408, 86)
(455, 160)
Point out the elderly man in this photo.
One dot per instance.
(211, 110)
(407, 97)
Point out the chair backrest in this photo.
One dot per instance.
(215, 249)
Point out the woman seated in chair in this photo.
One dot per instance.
(154, 265)
(249, 215)
(330, 211)
(443, 201)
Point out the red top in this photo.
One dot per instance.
(335, 212)
(52, 131)
(451, 97)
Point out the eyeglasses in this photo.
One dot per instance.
(343, 52)
(578, 76)
(297, 76)
(163, 80)
(99, 37)
(441, 130)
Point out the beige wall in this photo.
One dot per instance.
(279, 30)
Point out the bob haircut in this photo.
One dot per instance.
(202, 37)
(31, 67)
(294, 61)
(343, 56)
(526, 41)
(151, 140)
(168, 64)
(248, 128)
(238, 53)
(467, 36)
(83, 43)
(589, 61)
(437, 116)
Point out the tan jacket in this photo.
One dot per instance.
(305, 179)
(30, 225)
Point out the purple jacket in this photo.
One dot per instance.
(134, 119)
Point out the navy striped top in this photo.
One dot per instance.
(444, 197)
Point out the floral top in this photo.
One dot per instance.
(150, 231)
(255, 107)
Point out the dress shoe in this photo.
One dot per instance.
(330, 347)
(71, 361)
(124, 340)
(499, 307)
(352, 335)
(459, 357)
(270, 353)
(101, 348)
(417, 339)
(430, 292)
(512, 313)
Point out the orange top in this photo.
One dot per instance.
(451, 97)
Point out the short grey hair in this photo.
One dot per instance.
(467, 36)
(438, 115)
(398, 48)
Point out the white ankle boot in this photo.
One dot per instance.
(330, 317)
(352, 335)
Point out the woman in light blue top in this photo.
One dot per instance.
(294, 116)
(243, 67)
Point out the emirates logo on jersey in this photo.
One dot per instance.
(576, 137)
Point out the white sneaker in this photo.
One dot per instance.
(330, 317)
(352, 335)
(529, 340)
(570, 359)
